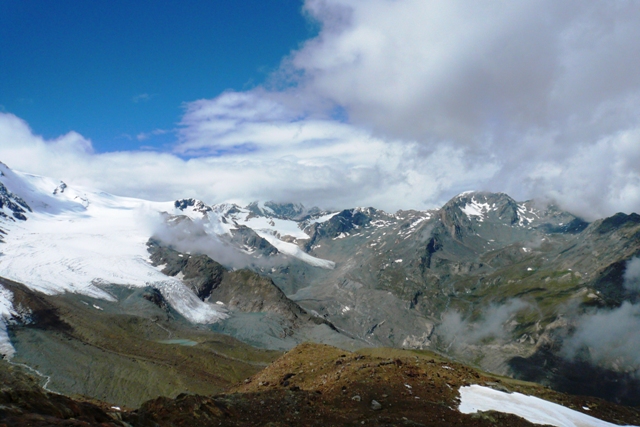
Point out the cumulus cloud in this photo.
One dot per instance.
(546, 90)
(403, 104)
(465, 70)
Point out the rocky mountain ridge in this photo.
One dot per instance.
(400, 278)
(507, 286)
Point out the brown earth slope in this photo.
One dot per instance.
(316, 384)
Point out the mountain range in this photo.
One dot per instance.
(122, 299)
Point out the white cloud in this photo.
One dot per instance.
(609, 337)
(313, 161)
(143, 97)
(143, 136)
(533, 98)
(530, 85)
(457, 70)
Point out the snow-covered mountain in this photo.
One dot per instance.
(61, 239)
(58, 238)
(485, 278)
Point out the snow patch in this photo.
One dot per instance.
(323, 218)
(188, 304)
(295, 251)
(476, 398)
(274, 226)
(476, 209)
(526, 216)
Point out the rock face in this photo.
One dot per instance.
(154, 296)
(60, 188)
(249, 240)
(199, 272)
(340, 224)
(11, 205)
(294, 211)
(197, 205)
(242, 290)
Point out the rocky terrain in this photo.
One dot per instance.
(249, 296)
(485, 279)
(124, 300)
(310, 385)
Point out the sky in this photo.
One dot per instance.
(396, 104)
(116, 70)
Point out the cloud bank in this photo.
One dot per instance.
(236, 155)
(609, 337)
(403, 104)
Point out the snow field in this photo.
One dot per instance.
(295, 251)
(77, 240)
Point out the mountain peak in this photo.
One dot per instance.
(481, 196)
(196, 205)
(480, 206)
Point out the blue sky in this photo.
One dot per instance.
(397, 104)
(114, 69)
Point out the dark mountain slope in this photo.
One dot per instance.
(123, 352)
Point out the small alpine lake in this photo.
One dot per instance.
(185, 342)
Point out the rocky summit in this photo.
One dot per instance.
(181, 310)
